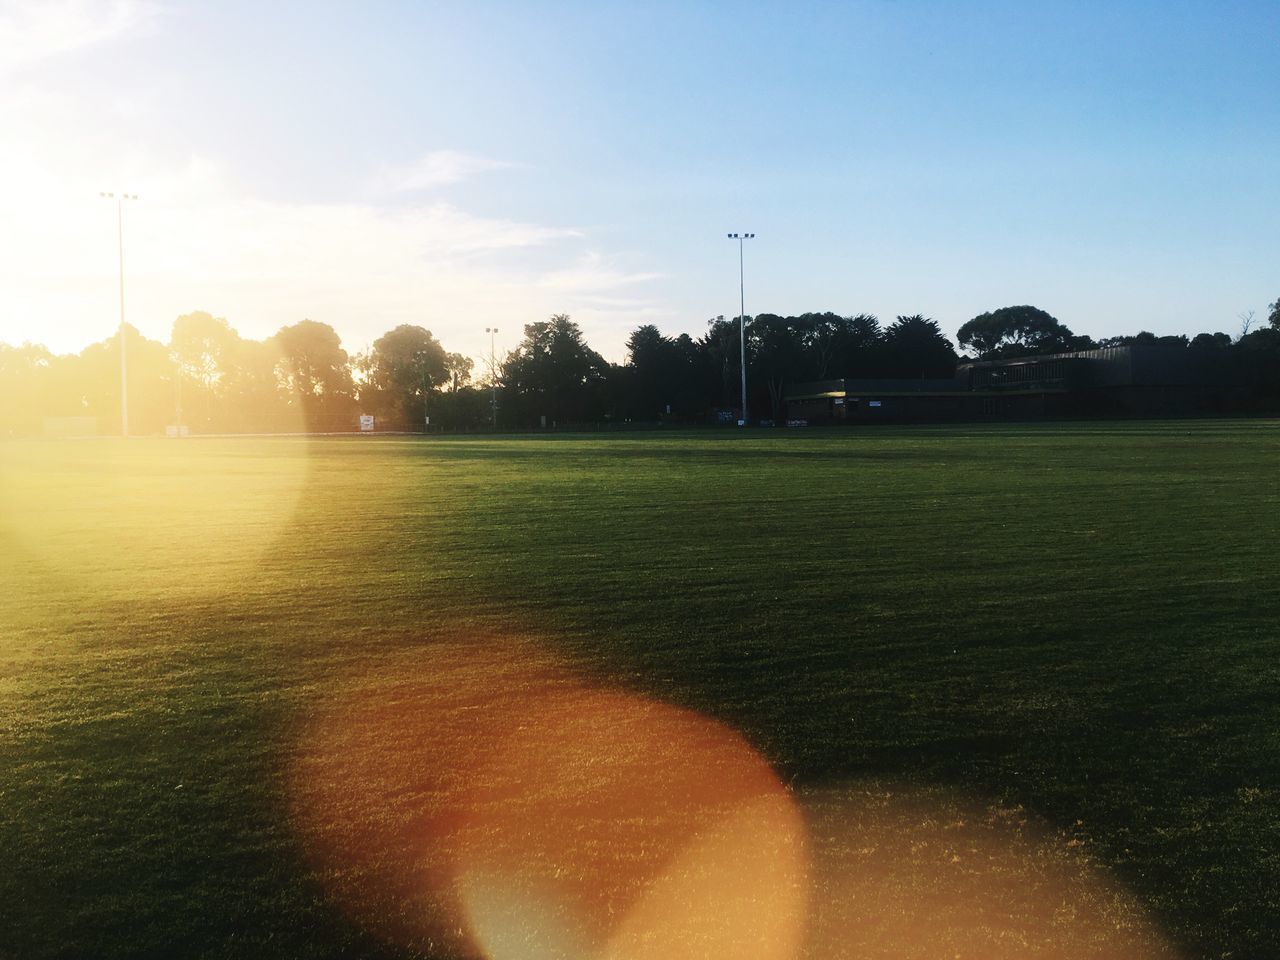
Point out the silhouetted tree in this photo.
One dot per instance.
(31, 389)
(1141, 338)
(843, 346)
(298, 379)
(255, 398)
(915, 346)
(690, 372)
(1257, 357)
(464, 408)
(458, 370)
(1210, 341)
(1019, 331)
(662, 377)
(403, 370)
(314, 370)
(1246, 322)
(554, 374)
(780, 354)
(151, 381)
(647, 379)
(1274, 318)
(721, 347)
(204, 348)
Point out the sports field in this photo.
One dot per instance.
(1034, 661)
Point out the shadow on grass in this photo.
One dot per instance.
(143, 810)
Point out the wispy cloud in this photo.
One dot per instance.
(438, 168)
(593, 272)
(32, 31)
(195, 240)
(198, 239)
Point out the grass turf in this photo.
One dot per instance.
(1075, 620)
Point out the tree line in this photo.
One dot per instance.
(213, 380)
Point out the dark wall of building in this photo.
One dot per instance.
(1139, 380)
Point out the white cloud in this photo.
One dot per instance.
(194, 241)
(593, 272)
(32, 31)
(438, 168)
(197, 240)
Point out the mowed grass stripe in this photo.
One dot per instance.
(1076, 618)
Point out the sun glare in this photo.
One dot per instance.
(176, 518)
(488, 800)
(906, 871)
(638, 829)
(548, 817)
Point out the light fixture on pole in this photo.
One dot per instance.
(742, 320)
(124, 362)
(493, 372)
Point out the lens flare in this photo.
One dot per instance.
(628, 828)
(908, 872)
(146, 518)
(485, 800)
(383, 769)
(497, 805)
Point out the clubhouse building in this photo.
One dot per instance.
(1140, 380)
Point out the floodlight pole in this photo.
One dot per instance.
(178, 377)
(742, 320)
(421, 357)
(493, 372)
(124, 360)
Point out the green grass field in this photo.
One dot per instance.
(1080, 623)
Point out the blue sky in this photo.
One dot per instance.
(466, 165)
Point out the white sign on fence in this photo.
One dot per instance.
(366, 422)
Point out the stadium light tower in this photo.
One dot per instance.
(423, 356)
(742, 319)
(124, 360)
(493, 372)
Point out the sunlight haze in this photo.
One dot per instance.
(468, 165)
